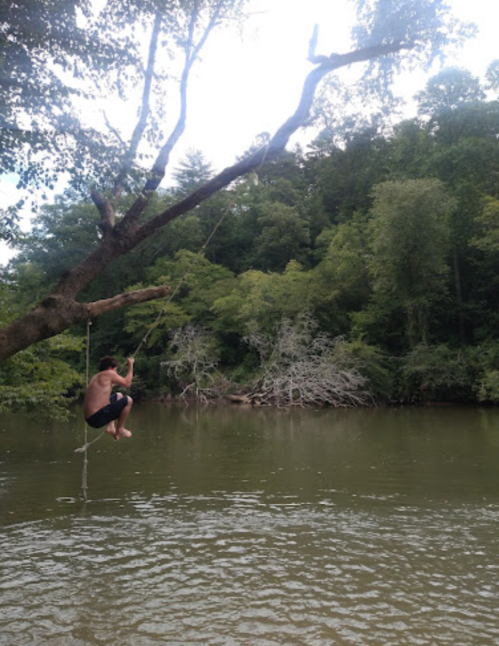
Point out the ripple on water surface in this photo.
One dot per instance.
(335, 528)
(248, 568)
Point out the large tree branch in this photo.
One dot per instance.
(58, 311)
(55, 314)
(127, 234)
(106, 211)
(277, 143)
(127, 298)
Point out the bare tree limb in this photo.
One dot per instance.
(128, 234)
(277, 143)
(113, 130)
(58, 314)
(144, 109)
(312, 57)
(191, 55)
(127, 298)
(103, 204)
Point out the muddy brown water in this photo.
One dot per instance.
(232, 527)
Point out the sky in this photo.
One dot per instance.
(249, 82)
(253, 83)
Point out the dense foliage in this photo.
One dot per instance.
(352, 269)
(389, 241)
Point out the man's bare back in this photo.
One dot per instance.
(98, 392)
(98, 397)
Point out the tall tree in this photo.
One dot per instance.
(192, 172)
(493, 76)
(409, 242)
(387, 30)
(448, 90)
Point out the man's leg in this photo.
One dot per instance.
(121, 431)
(111, 429)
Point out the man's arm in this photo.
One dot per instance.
(124, 381)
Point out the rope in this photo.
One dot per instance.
(84, 475)
(174, 293)
(84, 448)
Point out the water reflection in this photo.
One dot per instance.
(243, 527)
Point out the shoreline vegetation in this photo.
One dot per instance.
(358, 269)
(362, 271)
(246, 402)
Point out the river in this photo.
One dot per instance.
(226, 526)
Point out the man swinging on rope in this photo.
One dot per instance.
(100, 408)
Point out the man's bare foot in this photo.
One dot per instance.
(122, 432)
(111, 429)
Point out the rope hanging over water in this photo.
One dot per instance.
(84, 475)
(84, 448)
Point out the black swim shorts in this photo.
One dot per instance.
(109, 413)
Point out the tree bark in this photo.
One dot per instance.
(60, 310)
(57, 313)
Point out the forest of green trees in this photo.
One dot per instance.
(360, 269)
(388, 244)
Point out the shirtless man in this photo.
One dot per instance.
(100, 408)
